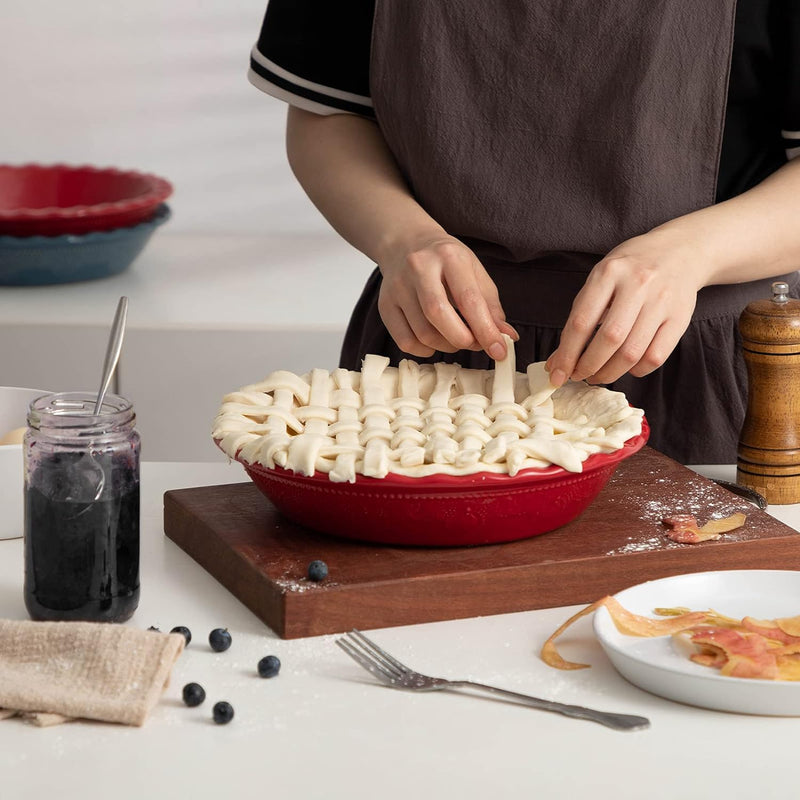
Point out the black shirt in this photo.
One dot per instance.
(315, 54)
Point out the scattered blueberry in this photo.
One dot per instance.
(219, 639)
(153, 628)
(317, 570)
(193, 694)
(187, 634)
(269, 666)
(223, 712)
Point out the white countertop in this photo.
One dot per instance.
(325, 729)
(209, 281)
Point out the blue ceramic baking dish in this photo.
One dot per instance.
(41, 260)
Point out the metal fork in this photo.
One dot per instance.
(391, 672)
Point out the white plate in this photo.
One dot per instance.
(657, 666)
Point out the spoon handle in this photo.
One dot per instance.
(113, 350)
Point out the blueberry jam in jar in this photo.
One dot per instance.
(81, 509)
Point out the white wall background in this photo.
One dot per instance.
(156, 85)
(247, 277)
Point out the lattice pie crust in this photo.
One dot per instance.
(421, 419)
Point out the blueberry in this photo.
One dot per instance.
(269, 666)
(317, 570)
(153, 628)
(193, 694)
(187, 634)
(223, 712)
(219, 639)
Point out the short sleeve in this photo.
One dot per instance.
(791, 111)
(314, 54)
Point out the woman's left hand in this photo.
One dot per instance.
(632, 310)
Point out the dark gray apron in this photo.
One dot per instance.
(543, 133)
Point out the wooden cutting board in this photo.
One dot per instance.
(261, 557)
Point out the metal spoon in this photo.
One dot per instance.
(113, 350)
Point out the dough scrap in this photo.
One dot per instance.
(738, 648)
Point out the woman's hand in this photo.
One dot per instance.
(638, 300)
(436, 295)
(634, 307)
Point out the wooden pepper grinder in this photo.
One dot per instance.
(768, 458)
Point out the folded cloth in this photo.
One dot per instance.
(51, 672)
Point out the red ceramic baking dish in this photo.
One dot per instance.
(52, 200)
(442, 510)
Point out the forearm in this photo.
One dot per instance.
(345, 167)
(751, 236)
(435, 294)
(638, 300)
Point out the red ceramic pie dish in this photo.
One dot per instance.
(442, 510)
(52, 200)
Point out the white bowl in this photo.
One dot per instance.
(14, 403)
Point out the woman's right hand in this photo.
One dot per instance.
(436, 295)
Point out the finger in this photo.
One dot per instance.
(504, 327)
(631, 351)
(499, 317)
(414, 333)
(469, 297)
(614, 333)
(474, 346)
(663, 343)
(489, 291)
(588, 309)
(438, 315)
(401, 332)
(426, 333)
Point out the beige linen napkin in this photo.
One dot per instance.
(51, 672)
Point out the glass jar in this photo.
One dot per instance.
(81, 508)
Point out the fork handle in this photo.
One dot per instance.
(619, 722)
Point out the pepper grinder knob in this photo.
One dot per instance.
(780, 292)
(768, 454)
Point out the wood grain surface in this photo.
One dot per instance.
(236, 534)
(768, 454)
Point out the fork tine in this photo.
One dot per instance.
(371, 666)
(372, 654)
(378, 652)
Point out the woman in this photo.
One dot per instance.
(610, 187)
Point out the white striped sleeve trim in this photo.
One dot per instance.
(292, 99)
(273, 79)
(790, 137)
